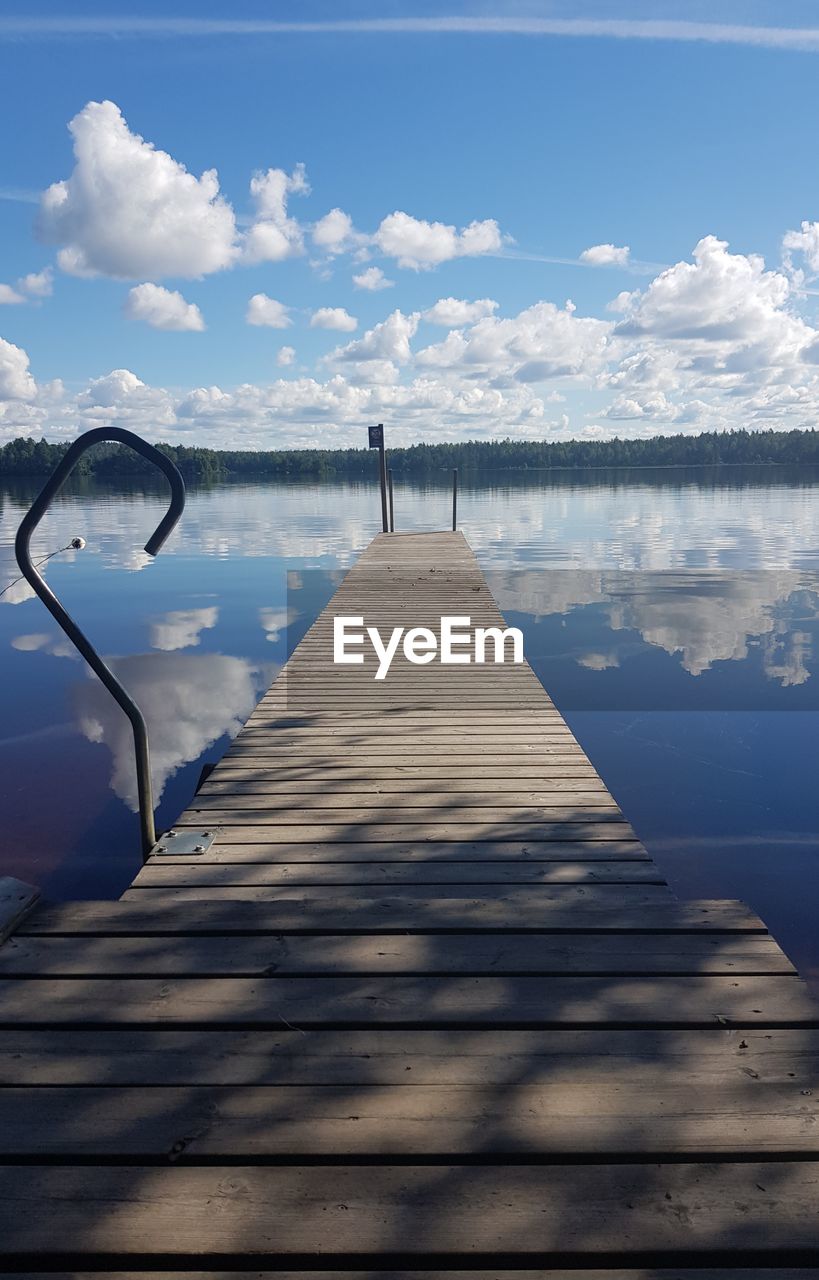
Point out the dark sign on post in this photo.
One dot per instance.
(376, 436)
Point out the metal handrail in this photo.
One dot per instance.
(38, 584)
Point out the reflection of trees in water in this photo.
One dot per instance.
(189, 701)
(706, 617)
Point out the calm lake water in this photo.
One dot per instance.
(673, 616)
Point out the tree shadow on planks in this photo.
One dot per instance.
(494, 1144)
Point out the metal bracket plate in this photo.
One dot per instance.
(184, 842)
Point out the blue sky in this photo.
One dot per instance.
(556, 128)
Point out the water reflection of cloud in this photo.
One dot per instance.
(134, 559)
(15, 590)
(57, 645)
(182, 628)
(189, 701)
(704, 617)
(599, 661)
(17, 593)
(274, 621)
(785, 655)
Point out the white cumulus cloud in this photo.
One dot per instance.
(389, 340)
(806, 242)
(623, 302)
(9, 296)
(262, 310)
(163, 308)
(372, 279)
(333, 318)
(335, 233)
(720, 296)
(131, 210)
(421, 245)
(285, 356)
(606, 255)
(543, 341)
(274, 235)
(453, 313)
(728, 314)
(38, 284)
(16, 383)
(121, 397)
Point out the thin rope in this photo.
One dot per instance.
(76, 544)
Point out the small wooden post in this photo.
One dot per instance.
(455, 500)
(392, 511)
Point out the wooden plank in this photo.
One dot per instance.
(383, 737)
(520, 758)
(379, 915)
(487, 700)
(392, 705)
(237, 826)
(617, 1273)
(16, 900)
(277, 705)
(558, 775)
(313, 665)
(539, 897)
(271, 755)
(408, 698)
(258, 810)
(405, 791)
(223, 1056)
(313, 717)
(270, 850)
(232, 956)
(158, 872)
(570, 776)
(427, 801)
(761, 1211)
(771, 1000)
(488, 694)
(288, 716)
(706, 1114)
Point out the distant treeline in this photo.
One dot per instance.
(26, 457)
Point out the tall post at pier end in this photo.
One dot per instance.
(455, 500)
(392, 509)
(376, 441)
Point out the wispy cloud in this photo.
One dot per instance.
(634, 266)
(800, 39)
(21, 195)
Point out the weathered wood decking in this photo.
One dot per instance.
(425, 1003)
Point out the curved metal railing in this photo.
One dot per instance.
(38, 584)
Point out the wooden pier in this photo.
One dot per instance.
(425, 1006)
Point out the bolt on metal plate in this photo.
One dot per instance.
(184, 842)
